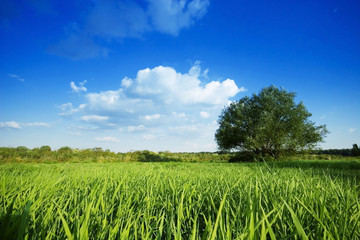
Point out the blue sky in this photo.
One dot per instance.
(155, 74)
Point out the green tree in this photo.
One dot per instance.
(65, 150)
(64, 153)
(269, 123)
(22, 151)
(355, 151)
(45, 149)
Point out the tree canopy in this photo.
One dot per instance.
(268, 123)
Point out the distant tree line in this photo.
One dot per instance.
(346, 152)
(67, 154)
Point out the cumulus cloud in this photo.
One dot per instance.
(115, 20)
(159, 93)
(118, 102)
(168, 86)
(10, 125)
(80, 88)
(106, 139)
(158, 103)
(126, 82)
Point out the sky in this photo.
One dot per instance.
(156, 74)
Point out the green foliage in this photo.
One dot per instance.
(269, 123)
(66, 154)
(45, 149)
(355, 151)
(179, 201)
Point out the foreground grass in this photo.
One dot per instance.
(287, 200)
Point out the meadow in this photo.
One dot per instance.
(177, 200)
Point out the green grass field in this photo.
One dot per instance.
(285, 200)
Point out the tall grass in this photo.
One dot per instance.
(177, 201)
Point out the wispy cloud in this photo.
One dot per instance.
(10, 125)
(170, 16)
(204, 114)
(106, 139)
(152, 117)
(139, 128)
(148, 137)
(94, 118)
(179, 115)
(16, 77)
(115, 20)
(37, 124)
(67, 109)
(74, 133)
(17, 125)
(77, 45)
(351, 130)
(80, 88)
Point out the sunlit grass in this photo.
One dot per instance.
(178, 201)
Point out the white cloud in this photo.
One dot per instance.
(106, 139)
(16, 125)
(126, 82)
(16, 77)
(148, 136)
(351, 130)
(10, 125)
(74, 127)
(67, 109)
(94, 118)
(152, 117)
(37, 124)
(170, 16)
(204, 114)
(179, 115)
(184, 128)
(136, 128)
(116, 20)
(80, 88)
(168, 86)
(160, 93)
(74, 133)
(242, 89)
(159, 103)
